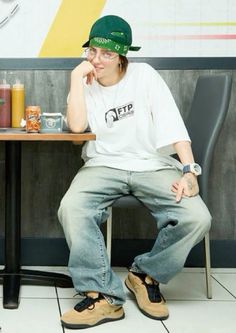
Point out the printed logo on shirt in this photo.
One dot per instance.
(119, 113)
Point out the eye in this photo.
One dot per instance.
(107, 54)
(92, 51)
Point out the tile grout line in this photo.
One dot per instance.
(224, 287)
(202, 300)
(165, 326)
(59, 307)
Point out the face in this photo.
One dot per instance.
(105, 62)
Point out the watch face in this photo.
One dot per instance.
(193, 168)
(196, 169)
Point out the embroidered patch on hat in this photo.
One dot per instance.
(101, 40)
(117, 33)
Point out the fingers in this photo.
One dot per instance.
(174, 187)
(179, 193)
(91, 76)
(177, 188)
(186, 186)
(95, 74)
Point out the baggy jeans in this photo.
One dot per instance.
(84, 207)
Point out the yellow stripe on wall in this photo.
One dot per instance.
(70, 28)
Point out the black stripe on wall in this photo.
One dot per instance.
(158, 63)
(54, 252)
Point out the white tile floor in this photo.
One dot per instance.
(190, 310)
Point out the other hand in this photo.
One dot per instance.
(186, 186)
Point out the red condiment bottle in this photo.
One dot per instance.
(5, 105)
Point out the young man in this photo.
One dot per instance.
(132, 112)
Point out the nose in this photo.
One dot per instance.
(96, 58)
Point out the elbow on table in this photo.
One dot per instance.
(78, 129)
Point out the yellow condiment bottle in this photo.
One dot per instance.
(17, 104)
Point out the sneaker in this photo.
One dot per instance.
(92, 311)
(148, 296)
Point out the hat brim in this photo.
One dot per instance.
(131, 48)
(134, 48)
(86, 44)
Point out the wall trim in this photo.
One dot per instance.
(177, 63)
(54, 252)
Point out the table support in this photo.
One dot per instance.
(12, 275)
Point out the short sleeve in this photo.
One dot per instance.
(168, 122)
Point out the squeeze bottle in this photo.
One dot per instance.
(5, 105)
(18, 104)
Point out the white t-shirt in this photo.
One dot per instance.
(133, 121)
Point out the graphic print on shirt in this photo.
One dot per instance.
(119, 113)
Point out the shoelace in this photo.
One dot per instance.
(153, 289)
(87, 303)
(154, 293)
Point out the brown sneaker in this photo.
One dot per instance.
(149, 298)
(93, 310)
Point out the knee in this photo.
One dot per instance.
(202, 220)
(205, 220)
(66, 204)
(64, 208)
(70, 208)
(78, 211)
(73, 219)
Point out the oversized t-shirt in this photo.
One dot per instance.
(134, 121)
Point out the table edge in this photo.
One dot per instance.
(47, 136)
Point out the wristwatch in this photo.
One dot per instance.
(193, 168)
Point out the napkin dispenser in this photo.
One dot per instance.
(51, 123)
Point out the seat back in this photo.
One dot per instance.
(205, 120)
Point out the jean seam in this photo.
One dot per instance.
(100, 244)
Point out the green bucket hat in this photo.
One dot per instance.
(113, 33)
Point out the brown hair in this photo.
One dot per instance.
(123, 63)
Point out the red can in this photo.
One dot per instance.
(32, 117)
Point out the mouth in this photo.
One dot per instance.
(98, 68)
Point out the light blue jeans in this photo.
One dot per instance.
(84, 207)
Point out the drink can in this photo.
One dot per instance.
(32, 117)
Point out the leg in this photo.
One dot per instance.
(181, 225)
(81, 213)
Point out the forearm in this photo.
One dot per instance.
(184, 151)
(187, 185)
(76, 110)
